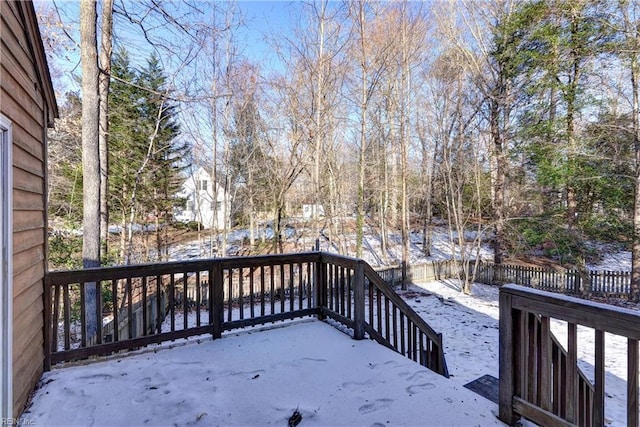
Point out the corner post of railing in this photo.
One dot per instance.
(506, 359)
(320, 286)
(48, 324)
(216, 299)
(358, 301)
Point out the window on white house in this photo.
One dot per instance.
(202, 185)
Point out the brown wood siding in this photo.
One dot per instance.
(27, 239)
(24, 104)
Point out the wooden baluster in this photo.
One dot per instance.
(395, 326)
(230, 296)
(262, 290)
(198, 297)
(386, 319)
(116, 310)
(292, 298)
(272, 285)
(251, 293)
(598, 406)
(379, 309)
(572, 373)
(632, 383)
(300, 286)
(172, 301)
(144, 306)
(185, 301)
(282, 288)
(130, 308)
(349, 293)
(241, 292)
(83, 316)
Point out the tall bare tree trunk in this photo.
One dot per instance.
(405, 90)
(90, 154)
(318, 118)
(635, 75)
(105, 75)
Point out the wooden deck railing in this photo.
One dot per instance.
(538, 379)
(143, 304)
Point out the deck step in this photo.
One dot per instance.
(486, 386)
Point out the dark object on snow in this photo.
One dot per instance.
(486, 386)
(295, 419)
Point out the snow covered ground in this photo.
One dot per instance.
(441, 247)
(469, 324)
(256, 379)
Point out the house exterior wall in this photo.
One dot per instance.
(27, 102)
(199, 204)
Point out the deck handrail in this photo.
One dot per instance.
(223, 294)
(529, 372)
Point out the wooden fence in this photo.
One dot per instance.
(154, 303)
(542, 382)
(610, 283)
(566, 281)
(432, 270)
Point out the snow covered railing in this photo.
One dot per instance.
(542, 382)
(138, 305)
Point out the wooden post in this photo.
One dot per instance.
(358, 301)
(216, 300)
(320, 286)
(506, 360)
(545, 368)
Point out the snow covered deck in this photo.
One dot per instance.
(257, 378)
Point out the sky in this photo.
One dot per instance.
(261, 21)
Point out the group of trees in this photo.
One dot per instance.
(141, 171)
(516, 118)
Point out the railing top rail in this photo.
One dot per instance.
(604, 317)
(134, 270)
(341, 260)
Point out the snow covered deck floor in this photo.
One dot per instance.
(258, 378)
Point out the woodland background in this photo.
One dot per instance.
(516, 119)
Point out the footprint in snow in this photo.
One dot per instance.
(377, 405)
(419, 387)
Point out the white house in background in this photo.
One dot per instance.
(198, 192)
(308, 211)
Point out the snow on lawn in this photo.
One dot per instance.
(255, 379)
(441, 248)
(612, 258)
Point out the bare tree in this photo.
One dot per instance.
(105, 77)
(630, 53)
(371, 56)
(90, 153)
